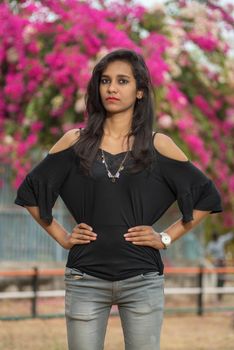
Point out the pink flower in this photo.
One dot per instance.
(35, 70)
(125, 10)
(184, 123)
(17, 181)
(36, 126)
(176, 97)
(31, 140)
(158, 69)
(92, 44)
(226, 13)
(12, 108)
(32, 86)
(183, 59)
(222, 170)
(227, 127)
(217, 104)
(21, 149)
(67, 92)
(54, 130)
(33, 48)
(205, 157)
(155, 43)
(165, 121)
(228, 124)
(154, 46)
(204, 42)
(231, 183)
(2, 54)
(30, 7)
(196, 144)
(194, 141)
(230, 113)
(14, 88)
(204, 106)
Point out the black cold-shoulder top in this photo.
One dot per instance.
(111, 208)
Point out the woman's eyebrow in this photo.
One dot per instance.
(118, 75)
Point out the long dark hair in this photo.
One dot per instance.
(142, 123)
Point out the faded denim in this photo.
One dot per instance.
(88, 302)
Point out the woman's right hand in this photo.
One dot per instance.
(81, 234)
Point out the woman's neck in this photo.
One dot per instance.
(115, 135)
(117, 128)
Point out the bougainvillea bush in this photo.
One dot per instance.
(47, 52)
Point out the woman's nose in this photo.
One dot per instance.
(112, 87)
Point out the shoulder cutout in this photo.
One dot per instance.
(167, 147)
(66, 141)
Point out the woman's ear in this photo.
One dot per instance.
(139, 95)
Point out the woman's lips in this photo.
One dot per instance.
(112, 99)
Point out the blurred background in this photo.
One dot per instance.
(47, 51)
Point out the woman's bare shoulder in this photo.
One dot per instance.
(168, 148)
(66, 141)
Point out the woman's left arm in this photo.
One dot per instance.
(195, 193)
(147, 236)
(179, 228)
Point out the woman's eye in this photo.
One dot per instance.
(107, 81)
(104, 81)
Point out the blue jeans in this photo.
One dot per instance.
(88, 302)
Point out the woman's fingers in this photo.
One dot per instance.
(139, 228)
(83, 225)
(80, 239)
(84, 229)
(82, 234)
(143, 235)
(139, 238)
(139, 232)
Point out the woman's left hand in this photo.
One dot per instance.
(145, 236)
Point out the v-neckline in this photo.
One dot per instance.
(112, 154)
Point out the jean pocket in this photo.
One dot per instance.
(73, 274)
(150, 275)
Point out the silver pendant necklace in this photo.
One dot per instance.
(115, 176)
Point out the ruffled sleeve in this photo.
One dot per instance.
(191, 187)
(42, 185)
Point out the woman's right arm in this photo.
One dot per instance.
(55, 230)
(82, 234)
(51, 226)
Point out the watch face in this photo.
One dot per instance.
(166, 239)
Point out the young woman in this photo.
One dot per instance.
(117, 177)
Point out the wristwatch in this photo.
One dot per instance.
(166, 239)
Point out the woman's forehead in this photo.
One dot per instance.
(118, 68)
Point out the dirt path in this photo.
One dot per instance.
(214, 332)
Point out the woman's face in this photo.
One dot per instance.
(117, 88)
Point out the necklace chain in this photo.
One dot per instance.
(115, 176)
